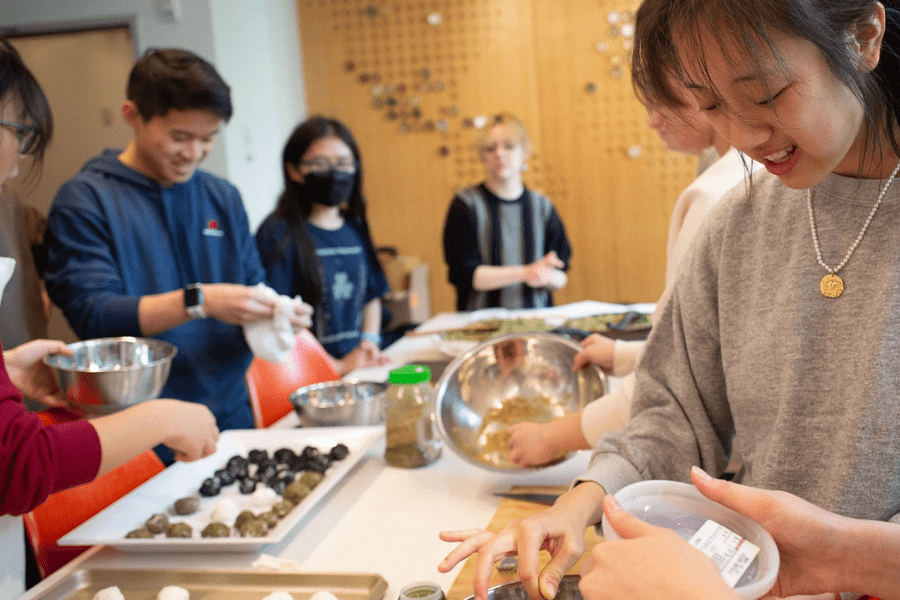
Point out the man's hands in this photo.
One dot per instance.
(240, 304)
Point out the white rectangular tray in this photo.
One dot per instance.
(159, 494)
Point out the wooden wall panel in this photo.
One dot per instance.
(410, 78)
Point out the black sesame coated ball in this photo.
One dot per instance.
(239, 470)
(339, 452)
(284, 456)
(257, 456)
(225, 476)
(247, 486)
(310, 452)
(211, 486)
(266, 473)
(298, 464)
(319, 464)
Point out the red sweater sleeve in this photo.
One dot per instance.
(37, 460)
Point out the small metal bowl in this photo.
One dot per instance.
(340, 403)
(568, 590)
(510, 379)
(105, 375)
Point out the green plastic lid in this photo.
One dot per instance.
(410, 374)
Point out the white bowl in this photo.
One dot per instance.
(682, 508)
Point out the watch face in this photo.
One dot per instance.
(193, 296)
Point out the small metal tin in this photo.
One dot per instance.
(422, 590)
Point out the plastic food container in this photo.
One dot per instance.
(682, 508)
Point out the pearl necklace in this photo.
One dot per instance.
(831, 285)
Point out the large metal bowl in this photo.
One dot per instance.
(568, 590)
(108, 374)
(340, 403)
(509, 379)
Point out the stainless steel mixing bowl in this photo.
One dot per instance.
(340, 403)
(108, 374)
(508, 379)
(568, 590)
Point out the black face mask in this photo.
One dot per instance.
(331, 188)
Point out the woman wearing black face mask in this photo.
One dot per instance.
(316, 243)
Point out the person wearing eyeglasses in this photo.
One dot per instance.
(142, 242)
(38, 460)
(317, 243)
(504, 244)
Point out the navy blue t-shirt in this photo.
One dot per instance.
(348, 282)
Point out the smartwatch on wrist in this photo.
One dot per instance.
(193, 301)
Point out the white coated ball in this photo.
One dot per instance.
(110, 593)
(173, 592)
(279, 596)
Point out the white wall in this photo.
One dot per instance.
(257, 49)
(253, 43)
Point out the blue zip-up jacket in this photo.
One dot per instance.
(116, 235)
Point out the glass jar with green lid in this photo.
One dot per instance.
(412, 440)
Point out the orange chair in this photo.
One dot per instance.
(270, 385)
(67, 509)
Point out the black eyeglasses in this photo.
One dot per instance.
(321, 164)
(27, 135)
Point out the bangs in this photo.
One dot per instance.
(745, 32)
(742, 33)
(18, 86)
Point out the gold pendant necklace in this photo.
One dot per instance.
(831, 285)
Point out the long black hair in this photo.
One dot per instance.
(295, 205)
(17, 84)
(832, 26)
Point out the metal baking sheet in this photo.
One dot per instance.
(145, 584)
(110, 525)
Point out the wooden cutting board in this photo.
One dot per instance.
(508, 512)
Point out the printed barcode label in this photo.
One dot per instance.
(731, 553)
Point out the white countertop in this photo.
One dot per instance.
(378, 519)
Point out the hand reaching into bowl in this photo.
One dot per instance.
(597, 349)
(31, 376)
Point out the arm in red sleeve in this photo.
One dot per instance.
(37, 460)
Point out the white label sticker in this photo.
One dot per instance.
(731, 553)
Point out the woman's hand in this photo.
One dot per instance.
(559, 530)
(188, 428)
(367, 354)
(530, 444)
(648, 563)
(810, 545)
(597, 349)
(31, 376)
(191, 430)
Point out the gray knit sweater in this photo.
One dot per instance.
(749, 354)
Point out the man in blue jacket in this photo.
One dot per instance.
(143, 243)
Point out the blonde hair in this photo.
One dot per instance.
(515, 125)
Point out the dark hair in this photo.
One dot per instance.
(295, 206)
(661, 26)
(17, 84)
(167, 79)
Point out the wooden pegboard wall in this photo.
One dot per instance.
(411, 79)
